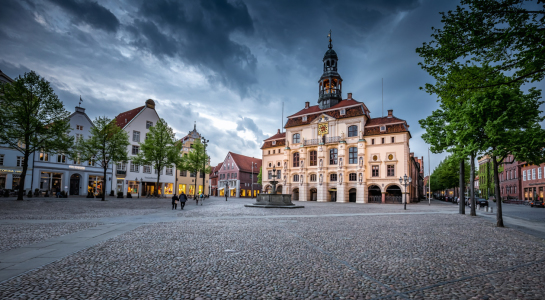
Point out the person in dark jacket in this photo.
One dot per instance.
(183, 200)
(174, 202)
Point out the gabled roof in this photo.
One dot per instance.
(125, 118)
(277, 136)
(390, 128)
(355, 111)
(315, 108)
(244, 163)
(5, 78)
(383, 120)
(269, 144)
(215, 169)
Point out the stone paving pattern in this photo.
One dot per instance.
(225, 251)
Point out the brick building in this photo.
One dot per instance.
(533, 181)
(214, 175)
(238, 175)
(510, 179)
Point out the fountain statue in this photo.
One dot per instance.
(274, 200)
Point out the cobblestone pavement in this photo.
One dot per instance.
(323, 251)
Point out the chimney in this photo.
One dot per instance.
(349, 96)
(279, 129)
(390, 113)
(307, 104)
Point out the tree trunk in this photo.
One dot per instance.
(195, 190)
(472, 188)
(104, 183)
(461, 193)
(157, 185)
(499, 218)
(22, 179)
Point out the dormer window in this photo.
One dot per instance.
(343, 112)
(274, 143)
(304, 118)
(382, 128)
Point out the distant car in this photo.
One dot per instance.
(481, 202)
(537, 203)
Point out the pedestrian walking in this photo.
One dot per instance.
(183, 200)
(202, 198)
(196, 198)
(174, 202)
(225, 195)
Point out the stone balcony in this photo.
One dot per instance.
(328, 140)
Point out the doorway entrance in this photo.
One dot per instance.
(352, 195)
(313, 195)
(74, 184)
(333, 195)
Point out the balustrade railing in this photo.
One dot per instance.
(311, 142)
(327, 140)
(375, 199)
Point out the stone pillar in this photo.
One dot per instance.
(361, 197)
(303, 192)
(383, 197)
(342, 192)
(322, 193)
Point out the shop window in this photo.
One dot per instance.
(136, 136)
(149, 124)
(352, 177)
(135, 150)
(296, 178)
(296, 159)
(96, 185)
(390, 170)
(135, 168)
(333, 156)
(168, 171)
(132, 188)
(374, 171)
(1, 159)
(168, 188)
(296, 138)
(352, 131)
(353, 155)
(16, 181)
(313, 158)
(181, 188)
(333, 177)
(3, 181)
(312, 178)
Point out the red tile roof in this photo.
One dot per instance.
(277, 136)
(125, 118)
(355, 111)
(390, 128)
(269, 144)
(383, 120)
(244, 163)
(316, 108)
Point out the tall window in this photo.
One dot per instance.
(312, 177)
(135, 150)
(533, 174)
(352, 177)
(333, 156)
(136, 136)
(135, 168)
(43, 156)
(524, 175)
(1, 159)
(313, 158)
(168, 171)
(159, 171)
(296, 159)
(184, 173)
(79, 136)
(193, 174)
(296, 138)
(383, 140)
(333, 177)
(372, 141)
(19, 161)
(296, 178)
(393, 140)
(278, 174)
(353, 155)
(61, 158)
(148, 124)
(270, 174)
(374, 171)
(122, 166)
(390, 170)
(147, 169)
(353, 130)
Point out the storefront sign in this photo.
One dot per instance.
(10, 171)
(77, 167)
(154, 178)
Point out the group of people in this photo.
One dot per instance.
(183, 199)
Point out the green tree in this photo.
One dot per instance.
(32, 118)
(505, 34)
(195, 161)
(260, 176)
(106, 146)
(159, 149)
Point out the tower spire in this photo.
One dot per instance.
(195, 126)
(329, 36)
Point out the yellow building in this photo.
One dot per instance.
(186, 180)
(335, 151)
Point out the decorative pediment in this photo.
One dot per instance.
(322, 119)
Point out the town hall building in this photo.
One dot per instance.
(335, 151)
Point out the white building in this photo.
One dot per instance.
(57, 172)
(132, 178)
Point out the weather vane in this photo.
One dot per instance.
(329, 36)
(80, 100)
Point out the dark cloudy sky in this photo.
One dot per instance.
(228, 65)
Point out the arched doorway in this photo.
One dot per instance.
(313, 195)
(374, 194)
(74, 184)
(393, 194)
(279, 189)
(352, 195)
(295, 194)
(268, 189)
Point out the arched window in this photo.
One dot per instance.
(313, 158)
(353, 155)
(333, 156)
(296, 159)
(296, 138)
(312, 177)
(296, 178)
(353, 130)
(333, 177)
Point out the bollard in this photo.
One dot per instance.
(487, 209)
(491, 210)
(479, 207)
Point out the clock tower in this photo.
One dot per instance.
(331, 82)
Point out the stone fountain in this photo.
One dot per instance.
(274, 200)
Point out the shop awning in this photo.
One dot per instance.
(233, 188)
(219, 189)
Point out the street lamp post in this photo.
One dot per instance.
(205, 143)
(405, 182)
(139, 186)
(253, 177)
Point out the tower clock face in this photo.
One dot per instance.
(323, 128)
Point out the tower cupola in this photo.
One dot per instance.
(330, 83)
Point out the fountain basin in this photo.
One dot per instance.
(274, 201)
